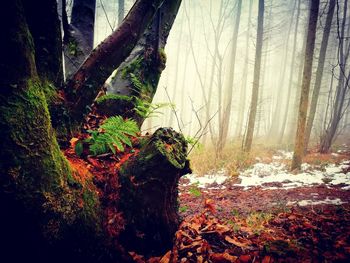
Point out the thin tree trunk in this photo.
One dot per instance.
(273, 133)
(255, 91)
(294, 114)
(286, 109)
(121, 11)
(242, 97)
(319, 72)
(328, 136)
(225, 120)
(304, 97)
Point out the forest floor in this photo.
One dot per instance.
(266, 213)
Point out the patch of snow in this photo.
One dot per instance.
(264, 175)
(307, 202)
(207, 179)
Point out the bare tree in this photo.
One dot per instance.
(304, 96)
(243, 88)
(255, 91)
(292, 67)
(319, 72)
(339, 107)
(225, 120)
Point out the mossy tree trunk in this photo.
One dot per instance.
(51, 214)
(137, 78)
(149, 192)
(37, 194)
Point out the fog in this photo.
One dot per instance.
(199, 56)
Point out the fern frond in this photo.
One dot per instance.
(114, 132)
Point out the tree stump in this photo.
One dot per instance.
(149, 191)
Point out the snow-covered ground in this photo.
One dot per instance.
(276, 175)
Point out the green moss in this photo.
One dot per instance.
(162, 60)
(105, 98)
(73, 48)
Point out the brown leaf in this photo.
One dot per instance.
(73, 142)
(210, 205)
(236, 242)
(245, 258)
(166, 257)
(222, 258)
(266, 259)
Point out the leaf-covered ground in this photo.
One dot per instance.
(265, 214)
(303, 219)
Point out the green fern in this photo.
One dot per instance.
(113, 133)
(146, 109)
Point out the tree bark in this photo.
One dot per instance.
(46, 33)
(149, 193)
(319, 72)
(255, 91)
(36, 181)
(304, 96)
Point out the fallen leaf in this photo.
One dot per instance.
(166, 257)
(236, 242)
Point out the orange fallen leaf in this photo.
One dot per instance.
(73, 142)
(245, 258)
(236, 242)
(210, 205)
(266, 259)
(166, 257)
(222, 258)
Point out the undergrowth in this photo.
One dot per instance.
(205, 160)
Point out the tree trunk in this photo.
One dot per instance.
(36, 182)
(225, 120)
(46, 33)
(274, 129)
(56, 210)
(319, 72)
(149, 193)
(121, 11)
(79, 37)
(343, 81)
(137, 78)
(253, 106)
(292, 67)
(242, 96)
(85, 84)
(304, 97)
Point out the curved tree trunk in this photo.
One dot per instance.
(137, 78)
(85, 84)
